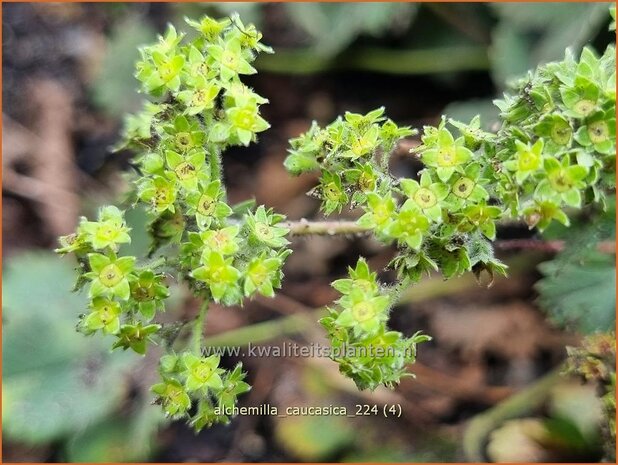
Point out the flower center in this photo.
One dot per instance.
(163, 197)
(561, 134)
(167, 72)
(106, 314)
(528, 161)
(561, 182)
(363, 284)
(360, 147)
(446, 157)
(206, 205)
(425, 198)
(263, 231)
(183, 140)
(244, 119)
(381, 214)
(199, 98)
(203, 373)
(463, 187)
(332, 192)
(584, 107)
(412, 222)
(106, 232)
(363, 311)
(366, 183)
(598, 132)
(230, 60)
(143, 293)
(185, 171)
(110, 275)
(259, 274)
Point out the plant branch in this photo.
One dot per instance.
(198, 329)
(334, 228)
(324, 228)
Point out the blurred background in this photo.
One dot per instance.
(488, 387)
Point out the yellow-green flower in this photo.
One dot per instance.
(427, 195)
(218, 272)
(445, 154)
(172, 395)
(363, 312)
(203, 373)
(409, 225)
(528, 160)
(110, 231)
(109, 275)
(105, 315)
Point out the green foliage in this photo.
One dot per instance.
(578, 289)
(113, 89)
(332, 27)
(313, 438)
(532, 33)
(56, 382)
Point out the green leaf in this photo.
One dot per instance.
(56, 381)
(114, 87)
(313, 438)
(579, 284)
(333, 26)
(130, 439)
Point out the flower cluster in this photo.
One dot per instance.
(436, 220)
(558, 141)
(363, 346)
(199, 107)
(352, 153)
(554, 151)
(123, 296)
(188, 379)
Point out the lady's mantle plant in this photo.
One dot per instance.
(554, 152)
(198, 108)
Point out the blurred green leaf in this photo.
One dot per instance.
(509, 53)
(579, 285)
(333, 26)
(137, 219)
(129, 439)
(56, 381)
(250, 12)
(313, 438)
(468, 109)
(533, 33)
(114, 88)
(580, 405)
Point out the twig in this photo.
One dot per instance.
(333, 228)
(324, 228)
(198, 328)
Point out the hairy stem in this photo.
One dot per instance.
(215, 165)
(324, 228)
(198, 329)
(156, 263)
(334, 228)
